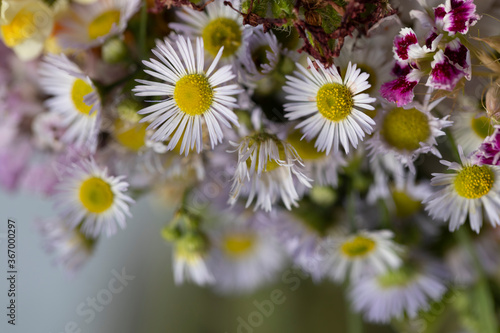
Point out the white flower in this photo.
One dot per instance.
(408, 132)
(191, 266)
(469, 190)
(471, 125)
(266, 165)
(194, 97)
(361, 254)
(88, 196)
(395, 294)
(90, 25)
(331, 105)
(74, 99)
(260, 54)
(219, 26)
(69, 245)
(244, 256)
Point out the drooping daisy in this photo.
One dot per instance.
(394, 294)
(90, 25)
(362, 254)
(70, 246)
(260, 54)
(189, 259)
(244, 257)
(265, 169)
(219, 26)
(74, 98)
(468, 191)
(195, 97)
(408, 132)
(331, 105)
(471, 125)
(90, 197)
(322, 168)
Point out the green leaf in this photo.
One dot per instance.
(330, 19)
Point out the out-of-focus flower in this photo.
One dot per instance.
(90, 25)
(25, 25)
(89, 196)
(395, 294)
(330, 104)
(196, 96)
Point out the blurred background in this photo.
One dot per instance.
(48, 299)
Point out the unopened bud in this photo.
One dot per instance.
(492, 101)
(114, 51)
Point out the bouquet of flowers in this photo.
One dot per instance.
(356, 140)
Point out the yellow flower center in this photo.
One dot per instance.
(474, 181)
(358, 247)
(222, 32)
(405, 205)
(96, 195)
(304, 148)
(78, 92)
(405, 129)
(19, 29)
(482, 126)
(103, 23)
(193, 94)
(238, 244)
(334, 101)
(130, 136)
(397, 278)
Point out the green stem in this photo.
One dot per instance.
(453, 145)
(143, 30)
(351, 210)
(483, 301)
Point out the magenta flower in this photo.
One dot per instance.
(444, 74)
(456, 16)
(400, 91)
(402, 44)
(489, 151)
(459, 55)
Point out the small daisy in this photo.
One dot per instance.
(194, 97)
(395, 294)
(260, 54)
(244, 257)
(74, 98)
(220, 26)
(367, 252)
(88, 196)
(330, 104)
(70, 246)
(471, 125)
(469, 190)
(90, 25)
(266, 166)
(408, 132)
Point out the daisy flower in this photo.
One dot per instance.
(90, 197)
(408, 132)
(266, 166)
(219, 25)
(260, 54)
(74, 98)
(190, 258)
(330, 104)
(244, 257)
(395, 294)
(195, 97)
(471, 125)
(70, 246)
(90, 25)
(467, 191)
(367, 252)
